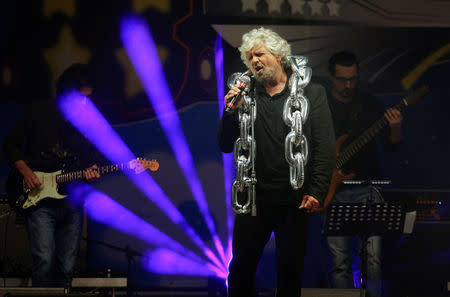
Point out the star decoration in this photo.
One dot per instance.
(316, 7)
(249, 5)
(334, 7)
(160, 5)
(297, 6)
(274, 5)
(65, 53)
(133, 84)
(50, 7)
(205, 69)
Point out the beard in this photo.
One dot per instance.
(266, 76)
(348, 93)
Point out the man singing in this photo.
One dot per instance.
(281, 208)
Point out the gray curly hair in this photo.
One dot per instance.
(272, 41)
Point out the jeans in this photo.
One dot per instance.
(341, 246)
(54, 234)
(251, 233)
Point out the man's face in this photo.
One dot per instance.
(263, 64)
(344, 81)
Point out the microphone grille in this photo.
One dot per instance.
(245, 79)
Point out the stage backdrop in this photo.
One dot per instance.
(397, 54)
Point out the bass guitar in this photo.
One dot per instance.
(20, 198)
(346, 154)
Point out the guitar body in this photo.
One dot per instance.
(52, 182)
(338, 175)
(48, 189)
(344, 155)
(19, 196)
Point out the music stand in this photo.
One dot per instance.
(366, 220)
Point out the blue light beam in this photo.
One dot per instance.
(164, 261)
(81, 112)
(141, 49)
(227, 159)
(101, 208)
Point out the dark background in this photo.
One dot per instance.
(39, 39)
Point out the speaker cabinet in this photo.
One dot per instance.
(14, 248)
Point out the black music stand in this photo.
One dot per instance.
(366, 220)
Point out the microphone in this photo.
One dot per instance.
(244, 85)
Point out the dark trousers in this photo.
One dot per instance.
(249, 239)
(54, 235)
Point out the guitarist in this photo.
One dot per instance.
(42, 135)
(353, 112)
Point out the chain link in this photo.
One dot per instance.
(244, 159)
(295, 113)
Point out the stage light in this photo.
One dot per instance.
(82, 114)
(138, 43)
(227, 159)
(164, 261)
(101, 208)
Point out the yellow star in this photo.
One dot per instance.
(142, 5)
(133, 84)
(50, 7)
(65, 53)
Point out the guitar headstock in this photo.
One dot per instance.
(139, 165)
(417, 94)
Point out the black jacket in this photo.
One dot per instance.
(42, 137)
(272, 170)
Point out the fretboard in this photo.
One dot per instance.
(354, 147)
(80, 174)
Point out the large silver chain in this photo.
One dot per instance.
(244, 159)
(295, 113)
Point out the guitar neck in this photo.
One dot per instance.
(68, 177)
(354, 147)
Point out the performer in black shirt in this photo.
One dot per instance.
(353, 112)
(42, 140)
(280, 208)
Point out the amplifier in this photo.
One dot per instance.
(14, 245)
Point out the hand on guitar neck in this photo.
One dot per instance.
(92, 173)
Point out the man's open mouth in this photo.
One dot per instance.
(258, 69)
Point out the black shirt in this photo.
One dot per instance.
(44, 139)
(353, 118)
(272, 170)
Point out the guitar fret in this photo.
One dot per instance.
(362, 140)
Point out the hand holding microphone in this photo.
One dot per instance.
(241, 84)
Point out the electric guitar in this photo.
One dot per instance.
(20, 198)
(345, 155)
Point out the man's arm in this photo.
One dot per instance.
(13, 149)
(394, 118)
(228, 130)
(391, 135)
(322, 156)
